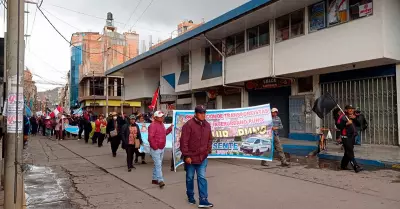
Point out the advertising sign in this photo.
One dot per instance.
(244, 133)
(317, 16)
(144, 131)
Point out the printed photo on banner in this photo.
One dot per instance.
(244, 133)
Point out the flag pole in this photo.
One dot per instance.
(337, 105)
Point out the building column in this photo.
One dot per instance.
(398, 99)
(317, 94)
(218, 100)
(116, 88)
(245, 98)
(87, 93)
(194, 104)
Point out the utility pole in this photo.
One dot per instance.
(13, 189)
(122, 95)
(94, 94)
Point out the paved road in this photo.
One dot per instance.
(71, 174)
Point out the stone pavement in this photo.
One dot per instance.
(72, 174)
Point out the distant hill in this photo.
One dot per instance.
(52, 95)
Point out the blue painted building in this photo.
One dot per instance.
(76, 61)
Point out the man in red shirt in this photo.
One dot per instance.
(157, 139)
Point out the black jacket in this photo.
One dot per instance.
(347, 130)
(111, 126)
(125, 134)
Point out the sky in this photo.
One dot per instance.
(47, 54)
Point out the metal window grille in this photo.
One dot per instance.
(376, 98)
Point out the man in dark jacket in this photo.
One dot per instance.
(132, 139)
(114, 132)
(347, 126)
(195, 144)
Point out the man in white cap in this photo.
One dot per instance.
(157, 140)
(277, 125)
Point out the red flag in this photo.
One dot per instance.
(154, 100)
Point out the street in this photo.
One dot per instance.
(72, 174)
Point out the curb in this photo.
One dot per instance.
(305, 150)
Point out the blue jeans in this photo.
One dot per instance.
(157, 156)
(200, 169)
(358, 138)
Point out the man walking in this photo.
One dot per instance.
(347, 125)
(277, 125)
(157, 140)
(196, 141)
(132, 139)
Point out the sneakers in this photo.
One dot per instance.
(191, 200)
(161, 184)
(144, 163)
(285, 164)
(264, 163)
(205, 204)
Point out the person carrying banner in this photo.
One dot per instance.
(114, 133)
(142, 155)
(347, 125)
(277, 125)
(132, 139)
(195, 145)
(157, 140)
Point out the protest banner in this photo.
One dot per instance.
(244, 133)
(144, 127)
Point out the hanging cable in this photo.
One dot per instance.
(137, 6)
(148, 6)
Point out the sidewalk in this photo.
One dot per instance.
(89, 177)
(370, 155)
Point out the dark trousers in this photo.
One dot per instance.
(44, 130)
(115, 141)
(87, 128)
(130, 150)
(99, 138)
(80, 132)
(142, 155)
(348, 145)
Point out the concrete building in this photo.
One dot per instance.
(285, 53)
(96, 53)
(30, 91)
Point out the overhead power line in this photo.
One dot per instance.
(48, 20)
(97, 17)
(62, 20)
(144, 11)
(137, 6)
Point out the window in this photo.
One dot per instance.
(257, 141)
(297, 23)
(360, 8)
(258, 36)
(212, 55)
(235, 44)
(290, 26)
(337, 11)
(282, 28)
(317, 16)
(305, 84)
(185, 63)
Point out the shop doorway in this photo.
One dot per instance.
(277, 97)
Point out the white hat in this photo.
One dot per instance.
(48, 117)
(158, 114)
(274, 110)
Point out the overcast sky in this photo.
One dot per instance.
(48, 55)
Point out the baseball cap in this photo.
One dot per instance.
(132, 117)
(274, 110)
(348, 107)
(159, 114)
(200, 109)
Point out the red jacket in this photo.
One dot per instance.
(158, 135)
(196, 140)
